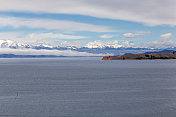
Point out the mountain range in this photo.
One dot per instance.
(99, 50)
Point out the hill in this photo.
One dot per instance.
(143, 56)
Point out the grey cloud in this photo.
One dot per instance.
(131, 35)
(52, 24)
(150, 12)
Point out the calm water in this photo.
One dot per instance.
(87, 87)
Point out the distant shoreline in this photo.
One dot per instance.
(152, 56)
(38, 56)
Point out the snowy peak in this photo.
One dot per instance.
(90, 45)
(12, 44)
(15, 45)
(100, 44)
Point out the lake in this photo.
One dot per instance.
(87, 87)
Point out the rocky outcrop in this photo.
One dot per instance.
(143, 56)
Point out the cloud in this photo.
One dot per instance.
(47, 52)
(128, 44)
(51, 24)
(150, 12)
(37, 38)
(131, 35)
(53, 36)
(161, 44)
(166, 36)
(106, 36)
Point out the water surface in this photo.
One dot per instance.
(87, 87)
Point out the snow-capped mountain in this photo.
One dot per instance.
(109, 45)
(16, 45)
(96, 47)
(95, 44)
(101, 44)
(12, 44)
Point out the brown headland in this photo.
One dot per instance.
(143, 56)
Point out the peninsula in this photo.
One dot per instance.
(143, 56)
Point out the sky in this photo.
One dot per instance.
(90, 23)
